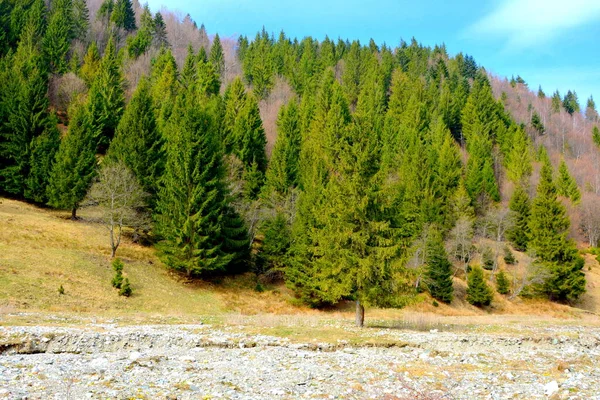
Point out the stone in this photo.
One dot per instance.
(551, 388)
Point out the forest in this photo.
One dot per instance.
(349, 171)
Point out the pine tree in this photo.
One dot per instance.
(518, 158)
(566, 185)
(478, 292)
(596, 136)
(75, 164)
(502, 283)
(352, 73)
(138, 44)
(43, 150)
(259, 69)
(520, 207)
(438, 270)
(571, 103)
(123, 15)
(91, 64)
(540, 93)
(160, 32)
(165, 85)
(207, 81)
(549, 227)
(556, 102)
(217, 58)
(59, 35)
(138, 141)
(106, 99)
(192, 205)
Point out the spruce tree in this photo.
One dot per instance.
(502, 283)
(81, 19)
(59, 35)
(478, 292)
(549, 225)
(123, 15)
(43, 151)
(438, 270)
(138, 44)
(91, 64)
(138, 141)
(283, 170)
(165, 85)
(216, 57)
(160, 32)
(518, 158)
(192, 205)
(520, 208)
(596, 136)
(566, 185)
(106, 99)
(75, 163)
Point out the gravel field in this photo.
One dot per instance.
(104, 361)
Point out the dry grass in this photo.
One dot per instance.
(42, 249)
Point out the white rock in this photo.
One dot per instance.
(433, 331)
(135, 355)
(100, 363)
(187, 359)
(551, 388)
(423, 356)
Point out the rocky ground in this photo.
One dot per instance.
(104, 361)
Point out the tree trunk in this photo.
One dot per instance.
(360, 314)
(74, 214)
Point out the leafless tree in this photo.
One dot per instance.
(590, 218)
(120, 200)
(528, 272)
(461, 242)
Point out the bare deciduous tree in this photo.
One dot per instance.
(121, 201)
(528, 272)
(590, 218)
(461, 241)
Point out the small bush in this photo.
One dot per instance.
(61, 290)
(509, 257)
(259, 287)
(125, 288)
(487, 258)
(478, 292)
(435, 303)
(117, 280)
(502, 283)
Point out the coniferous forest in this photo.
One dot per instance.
(350, 171)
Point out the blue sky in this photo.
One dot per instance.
(555, 43)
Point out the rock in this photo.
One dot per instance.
(187, 359)
(135, 355)
(100, 363)
(551, 388)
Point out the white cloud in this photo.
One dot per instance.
(526, 23)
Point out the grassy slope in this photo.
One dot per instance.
(42, 249)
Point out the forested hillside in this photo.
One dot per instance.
(350, 171)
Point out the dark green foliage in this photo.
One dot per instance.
(193, 218)
(75, 163)
(478, 292)
(91, 64)
(536, 123)
(138, 141)
(438, 270)
(106, 99)
(259, 69)
(520, 207)
(59, 34)
(117, 280)
(125, 289)
(556, 102)
(81, 19)
(160, 32)
(540, 93)
(275, 244)
(571, 103)
(138, 44)
(487, 258)
(61, 290)
(123, 16)
(509, 257)
(502, 282)
(43, 151)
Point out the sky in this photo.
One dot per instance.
(552, 43)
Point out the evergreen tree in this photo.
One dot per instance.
(591, 114)
(81, 19)
(478, 292)
(106, 99)
(59, 35)
(160, 32)
(596, 136)
(283, 170)
(540, 93)
(165, 86)
(75, 164)
(556, 102)
(138, 44)
(217, 58)
(566, 185)
(91, 64)
(138, 141)
(43, 151)
(502, 283)
(259, 69)
(438, 270)
(536, 123)
(549, 227)
(571, 103)
(123, 16)
(520, 208)
(518, 158)
(192, 205)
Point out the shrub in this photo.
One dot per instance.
(502, 283)
(61, 290)
(125, 288)
(487, 258)
(478, 292)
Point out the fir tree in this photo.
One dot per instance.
(138, 141)
(518, 158)
(520, 208)
(217, 58)
(556, 102)
(43, 150)
(160, 32)
(438, 269)
(75, 164)
(81, 19)
(165, 85)
(571, 103)
(91, 64)
(59, 34)
(106, 99)
(596, 136)
(138, 44)
(125, 289)
(478, 292)
(566, 185)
